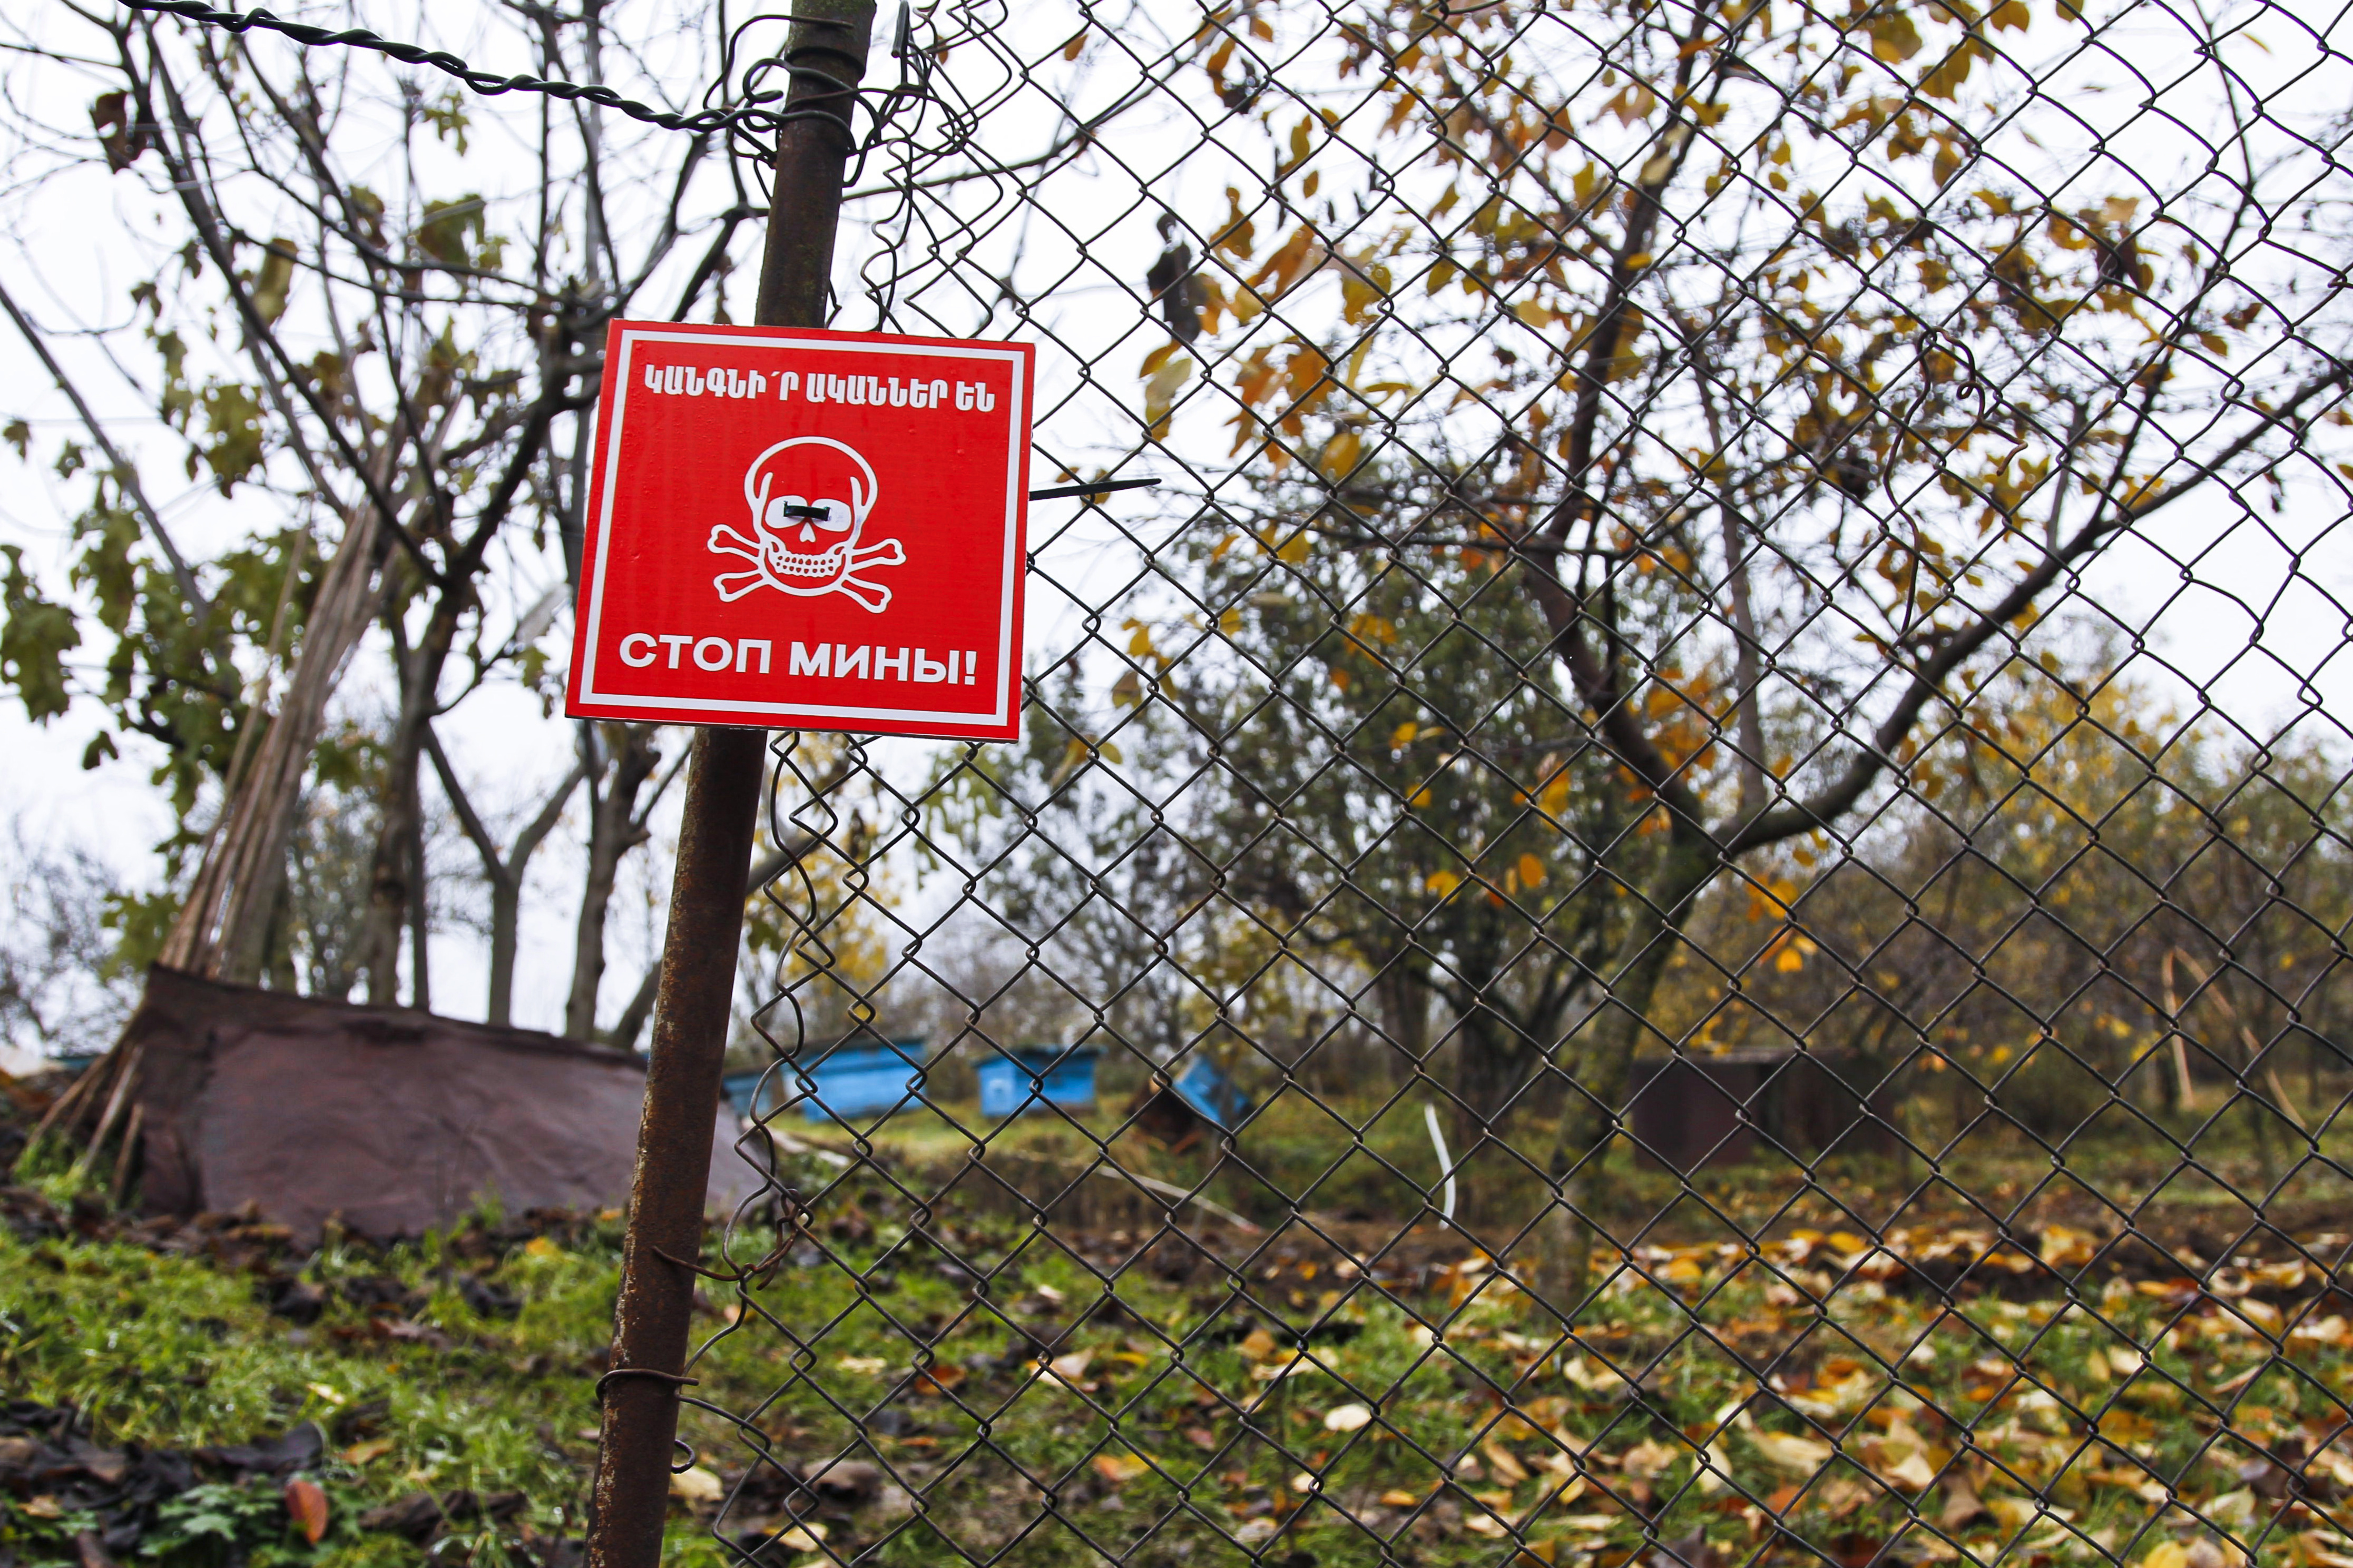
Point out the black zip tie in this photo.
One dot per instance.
(1100, 486)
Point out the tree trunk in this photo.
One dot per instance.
(401, 829)
(1487, 1056)
(1748, 671)
(1598, 1061)
(399, 805)
(503, 873)
(1403, 987)
(223, 928)
(613, 832)
(420, 920)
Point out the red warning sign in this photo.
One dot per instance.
(795, 528)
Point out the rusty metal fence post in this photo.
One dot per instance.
(826, 54)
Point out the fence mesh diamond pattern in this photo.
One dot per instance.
(1679, 896)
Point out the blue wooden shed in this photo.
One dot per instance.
(1180, 1111)
(857, 1080)
(743, 1090)
(1032, 1078)
(850, 1080)
(1209, 1091)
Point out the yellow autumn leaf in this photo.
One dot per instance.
(1532, 871)
(1161, 388)
(1893, 37)
(1441, 882)
(697, 1485)
(1141, 643)
(275, 279)
(1340, 456)
(1648, 1457)
(1503, 1464)
(1118, 1468)
(1787, 1451)
(1913, 1473)
(1403, 735)
(1078, 41)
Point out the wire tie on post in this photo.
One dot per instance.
(675, 1380)
(737, 1277)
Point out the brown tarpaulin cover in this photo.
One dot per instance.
(397, 1121)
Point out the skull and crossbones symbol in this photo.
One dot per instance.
(809, 497)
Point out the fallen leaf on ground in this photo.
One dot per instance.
(1397, 1498)
(1649, 1457)
(1963, 1507)
(378, 1448)
(863, 1366)
(1504, 1463)
(1787, 1451)
(1564, 1494)
(2020, 1514)
(1072, 1367)
(696, 1485)
(306, 1505)
(807, 1536)
(1119, 1468)
(1346, 1418)
(1900, 1459)
(1843, 1496)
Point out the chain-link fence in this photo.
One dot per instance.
(1679, 894)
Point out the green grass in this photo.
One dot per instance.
(1174, 1436)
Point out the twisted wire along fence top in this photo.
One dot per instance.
(1675, 887)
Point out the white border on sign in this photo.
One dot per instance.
(1009, 678)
